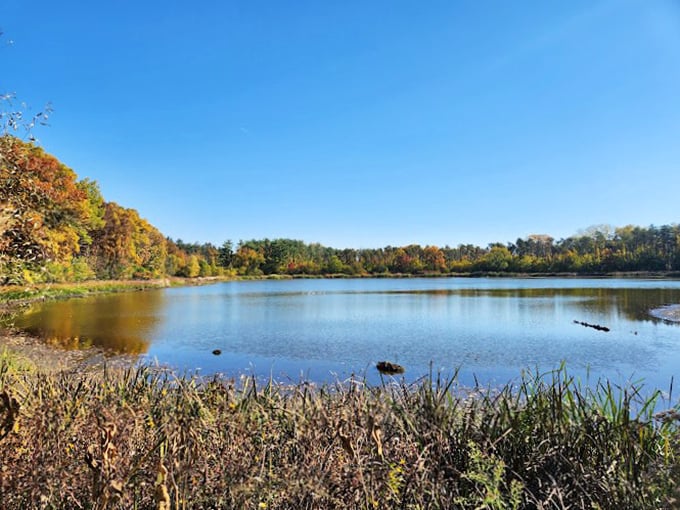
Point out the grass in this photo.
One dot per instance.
(15, 363)
(12, 294)
(143, 438)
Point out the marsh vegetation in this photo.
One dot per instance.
(144, 438)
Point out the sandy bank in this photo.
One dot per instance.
(667, 313)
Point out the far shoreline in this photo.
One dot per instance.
(14, 296)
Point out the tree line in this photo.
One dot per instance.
(55, 227)
(598, 250)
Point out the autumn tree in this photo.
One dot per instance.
(46, 214)
(498, 259)
(193, 267)
(127, 246)
(433, 259)
(248, 260)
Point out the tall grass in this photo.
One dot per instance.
(141, 438)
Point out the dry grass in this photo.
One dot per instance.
(147, 439)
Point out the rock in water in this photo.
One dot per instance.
(388, 368)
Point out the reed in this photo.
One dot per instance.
(145, 438)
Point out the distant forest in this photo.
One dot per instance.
(57, 228)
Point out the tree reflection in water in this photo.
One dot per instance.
(122, 323)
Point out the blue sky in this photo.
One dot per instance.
(359, 123)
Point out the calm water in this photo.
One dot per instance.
(328, 329)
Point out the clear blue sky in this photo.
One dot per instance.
(360, 123)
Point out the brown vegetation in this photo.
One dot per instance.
(147, 439)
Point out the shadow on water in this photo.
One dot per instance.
(122, 323)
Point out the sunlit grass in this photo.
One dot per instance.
(62, 291)
(144, 438)
(15, 363)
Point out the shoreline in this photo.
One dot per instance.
(670, 313)
(32, 354)
(18, 345)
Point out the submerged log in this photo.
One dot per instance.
(594, 326)
(388, 368)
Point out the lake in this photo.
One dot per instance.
(326, 329)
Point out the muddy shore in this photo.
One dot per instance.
(667, 313)
(46, 358)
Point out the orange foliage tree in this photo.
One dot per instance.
(45, 212)
(127, 246)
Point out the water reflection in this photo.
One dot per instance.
(490, 328)
(634, 303)
(122, 323)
